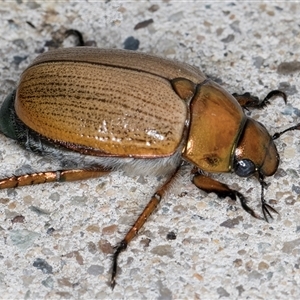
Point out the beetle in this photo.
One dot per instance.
(97, 110)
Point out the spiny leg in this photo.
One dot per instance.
(148, 210)
(247, 100)
(210, 185)
(265, 207)
(52, 176)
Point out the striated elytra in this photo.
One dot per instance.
(97, 110)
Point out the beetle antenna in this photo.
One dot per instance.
(278, 134)
(266, 208)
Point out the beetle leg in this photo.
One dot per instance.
(210, 185)
(52, 176)
(148, 210)
(247, 100)
(77, 34)
(278, 134)
(265, 207)
(266, 211)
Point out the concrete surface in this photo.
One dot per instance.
(56, 240)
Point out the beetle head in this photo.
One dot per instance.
(255, 151)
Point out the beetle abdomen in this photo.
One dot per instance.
(112, 110)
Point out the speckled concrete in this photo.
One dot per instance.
(56, 240)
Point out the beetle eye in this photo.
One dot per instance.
(244, 167)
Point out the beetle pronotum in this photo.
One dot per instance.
(96, 110)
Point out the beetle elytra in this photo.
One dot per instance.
(96, 110)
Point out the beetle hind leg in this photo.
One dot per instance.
(51, 176)
(210, 185)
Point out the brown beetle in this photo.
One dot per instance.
(98, 110)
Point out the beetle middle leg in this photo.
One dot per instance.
(210, 185)
(51, 176)
(148, 210)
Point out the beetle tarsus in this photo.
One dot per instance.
(248, 209)
(274, 93)
(121, 247)
(266, 208)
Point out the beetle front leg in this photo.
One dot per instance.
(148, 210)
(247, 100)
(51, 176)
(210, 185)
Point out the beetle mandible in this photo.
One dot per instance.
(96, 110)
